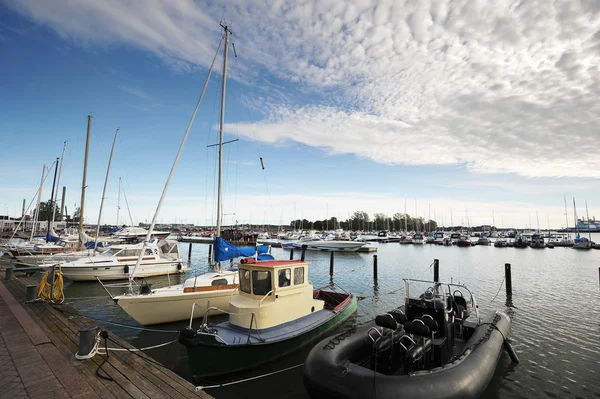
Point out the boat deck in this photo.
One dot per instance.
(37, 345)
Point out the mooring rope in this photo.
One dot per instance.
(200, 387)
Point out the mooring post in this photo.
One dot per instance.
(210, 253)
(87, 340)
(508, 278)
(436, 270)
(190, 255)
(331, 264)
(291, 253)
(8, 273)
(303, 252)
(375, 267)
(31, 293)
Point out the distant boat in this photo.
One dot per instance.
(483, 239)
(581, 242)
(326, 245)
(501, 242)
(406, 239)
(137, 233)
(454, 237)
(439, 236)
(464, 241)
(537, 241)
(418, 239)
(520, 242)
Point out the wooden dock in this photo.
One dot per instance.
(37, 345)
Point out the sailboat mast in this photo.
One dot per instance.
(112, 150)
(118, 202)
(222, 122)
(575, 214)
(62, 157)
(566, 213)
(52, 199)
(83, 183)
(588, 221)
(39, 199)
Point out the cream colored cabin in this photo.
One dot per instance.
(275, 291)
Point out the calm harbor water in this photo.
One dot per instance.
(555, 311)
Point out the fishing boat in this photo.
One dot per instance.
(276, 312)
(117, 262)
(434, 346)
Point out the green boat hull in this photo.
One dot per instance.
(212, 359)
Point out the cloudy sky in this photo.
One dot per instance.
(485, 108)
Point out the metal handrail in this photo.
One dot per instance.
(263, 298)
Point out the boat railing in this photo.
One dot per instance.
(262, 299)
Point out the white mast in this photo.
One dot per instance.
(118, 202)
(39, 199)
(222, 122)
(566, 213)
(112, 150)
(165, 189)
(588, 221)
(58, 184)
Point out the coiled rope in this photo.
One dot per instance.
(52, 292)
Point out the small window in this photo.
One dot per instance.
(285, 277)
(298, 275)
(148, 251)
(245, 280)
(261, 282)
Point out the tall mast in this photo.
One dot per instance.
(405, 218)
(588, 221)
(222, 122)
(62, 157)
(52, 199)
(566, 213)
(118, 202)
(112, 150)
(39, 199)
(83, 183)
(575, 214)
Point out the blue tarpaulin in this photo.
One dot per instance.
(90, 245)
(51, 238)
(262, 249)
(225, 251)
(112, 231)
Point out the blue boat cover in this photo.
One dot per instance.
(90, 245)
(262, 249)
(225, 251)
(51, 238)
(112, 231)
(265, 257)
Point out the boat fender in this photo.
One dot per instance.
(126, 269)
(511, 352)
(386, 321)
(179, 266)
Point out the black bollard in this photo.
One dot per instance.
(190, 255)
(375, 267)
(331, 264)
(32, 291)
(87, 340)
(436, 270)
(508, 278)
(8, 273)
(210, 254)
(291, 253)
(303, 252)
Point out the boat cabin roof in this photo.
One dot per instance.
(270, 263)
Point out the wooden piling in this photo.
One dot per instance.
(291, 253)
(190, 255)
(375, 267)
(436, 270)
(508, 277)
(8, 273)
(303, 252)
(210, 253)
(331, 264)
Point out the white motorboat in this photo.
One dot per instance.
(501, 242)
(439, 237)
(454, 237)
(418, 239)
(326, 245)
(138, 233)
(117, 262)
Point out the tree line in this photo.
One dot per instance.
(361, 220)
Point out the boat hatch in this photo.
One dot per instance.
(333, 300)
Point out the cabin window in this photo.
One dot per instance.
(111, 251)
(245, 280)
(148, 251)
(220, 281)
(285, 277)
(261, 282)
(298, 275)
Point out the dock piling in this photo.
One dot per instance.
(190, 255)
(210, 253)
(303, 252)
(508, 277)
(436, 270)
(87, 340)
(8, 273)
(331, 263)
(375, 267)
(32, 291)
(291, 253)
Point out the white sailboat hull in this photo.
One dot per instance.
(176, 306)
(330, 246)
(119, 270)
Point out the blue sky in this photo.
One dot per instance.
(485, 108)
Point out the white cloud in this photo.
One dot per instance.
(498, 87)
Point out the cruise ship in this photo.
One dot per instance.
(583, 225)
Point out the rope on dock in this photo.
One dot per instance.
(199, 387)
(52, 292)
(140, 349)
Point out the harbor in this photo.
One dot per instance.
(569, 274)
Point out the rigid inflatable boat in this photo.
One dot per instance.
(434, 346)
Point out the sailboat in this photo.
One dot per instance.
(580, 242)
(276, 311)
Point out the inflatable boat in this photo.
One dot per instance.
(434, 346)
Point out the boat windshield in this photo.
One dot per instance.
(430, 291)
(111, 252)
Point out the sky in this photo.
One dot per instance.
(489, 109)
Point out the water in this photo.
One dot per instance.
(556, 313)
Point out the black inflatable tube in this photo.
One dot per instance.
(328, 374)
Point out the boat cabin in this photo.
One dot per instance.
(272, 292)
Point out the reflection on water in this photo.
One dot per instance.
(556, 312)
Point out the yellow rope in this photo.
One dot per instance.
(45, 290)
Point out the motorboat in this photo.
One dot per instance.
(464, 241)
(131, 233)
(537, 241)
(483, 239)
(406, 239)
(439, 237)
(581, 243)
(159, 257)
(325, 245)
(276, 312)
(501, 242)
(430, 238)
(436, 345)
(520, 242)
(418, 239)
(454, 237)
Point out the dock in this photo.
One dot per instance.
(38, 342)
